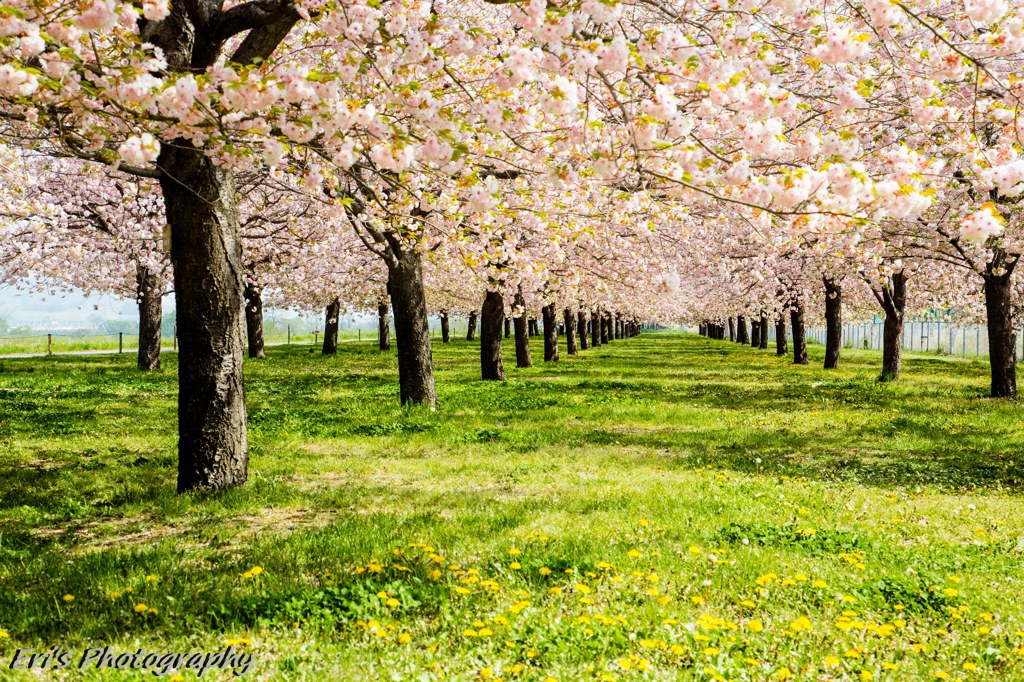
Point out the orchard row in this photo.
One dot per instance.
(670, 160)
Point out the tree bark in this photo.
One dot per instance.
(570, 333)
(254, 320)
(412, 327)
(200, 203)
(522, 332)
(446, 331)
(1002, 337)
(833, 322)
(550, 333)
(595, 328)
(471, 329)
(206, 251)
(732, 329)
(741, 330)
(383, 326)
(755, 333)
(781, 347)
(581, 325)
(508, 327)
(604, 328)
(764, 332)
(149, 300)
(533, 327)
(796, 319)
(331, 327)
(492, 318)
(894, 303)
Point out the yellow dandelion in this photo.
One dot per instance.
(801, 624)
(755, 626)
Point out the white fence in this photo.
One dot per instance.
(924, 336)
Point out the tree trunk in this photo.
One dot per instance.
(781, 347)
(1002, 337)
(446, 331)
(618, 326)
(570, 333)
(492, 318)
(471, 329)
(764, 332)
(533, 327)
(595, 328)
(796, 319)
(148, 298)
(894, 303)
(550, 333)
(254, 320)
(522, 332)
(199, 198)
(331, 315)
(603, 324)
(755, 333)
(741, 330)
(581, 325)
(732, 329)
(833, 322)
(383, 326)
(412, 328)
(508, 327)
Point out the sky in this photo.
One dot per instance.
(75, 310)
(57, 311)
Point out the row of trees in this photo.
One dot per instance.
(670, 160)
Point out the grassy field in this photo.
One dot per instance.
(664, 508)
(61, 343)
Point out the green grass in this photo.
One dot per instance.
(677, 492)
(37, 343)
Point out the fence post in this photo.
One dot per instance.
(120, 343)
(49, 344)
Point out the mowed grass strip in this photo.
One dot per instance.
(665, 507)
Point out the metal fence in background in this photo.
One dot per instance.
(924, 336)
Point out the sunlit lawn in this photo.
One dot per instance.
(665, 507)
